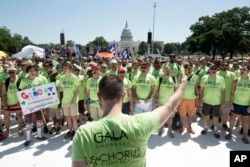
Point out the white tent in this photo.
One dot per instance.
(28, 51)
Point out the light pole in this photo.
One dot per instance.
(153, 29)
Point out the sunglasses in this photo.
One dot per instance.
(171, 56)
(212, 68)
(11, 72)
(122, 72)
(243, 69)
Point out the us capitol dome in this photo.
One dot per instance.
(127, 40)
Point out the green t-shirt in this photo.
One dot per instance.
(3, 76)
(22, 74)
(69, 85)
(175, 70)
(156, 73)
(12, 98)
(143, 85)
(126, 85)
(189, 92)
(166, 88)
(92, 87)
(111, 72)
(115, 141)
(83, 83)
(132, 74)
(43, 79)
(228, 77)
(212, 89)
(242, 92)
(26, 83)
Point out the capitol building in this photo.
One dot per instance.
(127, 40)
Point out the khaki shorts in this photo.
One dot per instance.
(187, 106)
(70, 109)
(95, 112)
(55, 112)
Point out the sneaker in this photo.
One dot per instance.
(20, 132)
(216, 134)
(204, 131)
(34, 129)
(45, 129)
(53, 130)
(225, 127)
(68, 135)
(245, 140)
(27, 143)
(228, 137)
(190, 130)
(41, 138)
(248, 132)
(7, 133)
(170, 134)
(161, 131)
(58, 130)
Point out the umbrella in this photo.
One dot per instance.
(3, 54)
(105, 54)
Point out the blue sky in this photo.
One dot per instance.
(84, 20)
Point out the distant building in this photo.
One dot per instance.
(127, 40)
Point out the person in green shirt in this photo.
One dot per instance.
(144, 90)
(128, 105)
(10, 101)
(93, 105)
(3, 75)
(240, 103)
(29, 82)
(113, 67)
(83, 81)
(166, 87)
(118, 139)
(228, 77)
(212, 98)
(70, 89)
(187, 105)
(134, 72)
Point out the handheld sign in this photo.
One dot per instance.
(37, 98)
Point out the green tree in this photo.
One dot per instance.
(143, 48)
(225, 32)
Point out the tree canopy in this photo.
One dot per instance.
(223, 33)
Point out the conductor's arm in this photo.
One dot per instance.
(166, 110)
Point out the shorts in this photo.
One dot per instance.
(126, 108)
(227, 107)
(95, 112)
(213, 110)
(240, 110)
(55, 112)
(187, 106)
(70, 109)
(28, 117)
(81, 108)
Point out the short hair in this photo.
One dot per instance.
(29, 67)
(111, 87)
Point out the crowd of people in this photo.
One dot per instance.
(219, 91)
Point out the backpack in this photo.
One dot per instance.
(7, 82)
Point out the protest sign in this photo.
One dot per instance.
(37, 98)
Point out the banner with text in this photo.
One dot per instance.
(37, 98)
